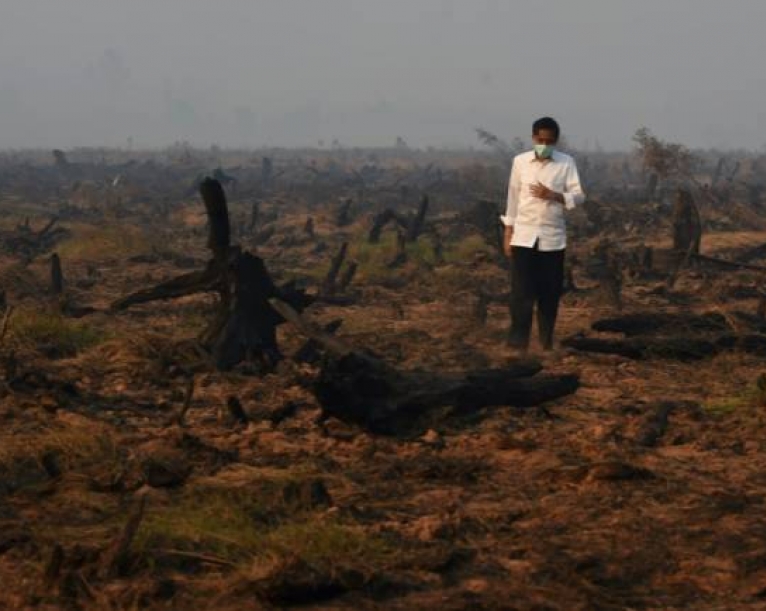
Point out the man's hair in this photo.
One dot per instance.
(546, 123)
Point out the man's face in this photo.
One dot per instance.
(544, 136)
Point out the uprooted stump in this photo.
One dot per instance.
(244, 326)
(360, 389)
(369, 393)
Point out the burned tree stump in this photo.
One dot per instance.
(438, 247)
(481, 308)
(415, 226)
(380, 221)
(605, 267)
(250, 325)
(331, 290)
(655, 424)
(308, 228)
(329, 284)
(401, 251)
(244, 324)
(348, 276)
(411, 226)
(57, 276)
(343, 215)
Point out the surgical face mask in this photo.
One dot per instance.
(544, 150)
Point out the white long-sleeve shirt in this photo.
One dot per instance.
(536, 219)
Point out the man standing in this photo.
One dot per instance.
(544, 183)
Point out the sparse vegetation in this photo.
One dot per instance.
(240, 527)
(51, 330)
(258, 494)
(89, 243)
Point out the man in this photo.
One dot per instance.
(544, 183)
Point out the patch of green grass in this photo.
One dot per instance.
(38, 327)
(466, 249)
(93, 243)
(218, 522)
(327, 542)
(241, 525)
(373, 259)
(723, 406)
(76, 445)
(751, 398)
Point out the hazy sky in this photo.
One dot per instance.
(294, 72)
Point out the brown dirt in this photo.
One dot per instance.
(556, 508)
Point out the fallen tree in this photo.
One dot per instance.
(361, 389)
(684, 337)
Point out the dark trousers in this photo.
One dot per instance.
(536, 278)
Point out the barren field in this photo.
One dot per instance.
(138, 473)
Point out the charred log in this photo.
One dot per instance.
(672, 348)
(663, 323)
(367, 392)
(361, 389)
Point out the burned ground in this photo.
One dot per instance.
(135, 474)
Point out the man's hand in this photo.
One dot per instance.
(507, 240)
(542, 192)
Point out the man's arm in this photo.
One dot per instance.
(574, 195)
(509, 218)
(571, 197)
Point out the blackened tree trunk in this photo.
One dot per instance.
(57, 276)
(343, 216)
(244, 324)
(416, 225)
